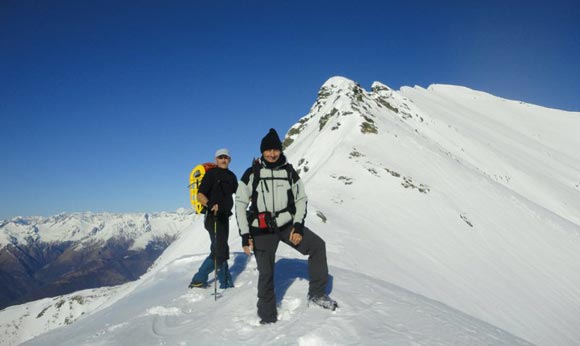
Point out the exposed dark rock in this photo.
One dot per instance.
(321, 216)
(324, 119)
(368, 126)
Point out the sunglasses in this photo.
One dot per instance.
(222, 157)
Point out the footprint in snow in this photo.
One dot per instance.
(186, 301)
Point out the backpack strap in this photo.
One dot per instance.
(292, 178)
(256, 180)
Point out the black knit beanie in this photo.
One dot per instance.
(271, 141)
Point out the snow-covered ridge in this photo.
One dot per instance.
(23, 322)
(464, 197)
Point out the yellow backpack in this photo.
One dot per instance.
(195, 179)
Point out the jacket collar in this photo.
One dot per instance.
(275, 165)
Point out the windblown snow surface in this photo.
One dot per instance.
(160, 310)
(451, 217)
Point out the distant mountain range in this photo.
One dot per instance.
(47, 257)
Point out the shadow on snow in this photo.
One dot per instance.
(241, 260)
(287, 271)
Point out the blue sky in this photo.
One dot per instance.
(107, 105)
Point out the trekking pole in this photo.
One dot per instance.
(215, 258)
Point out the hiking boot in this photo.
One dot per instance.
(224, 276)
(323, 301)
(228, 284)
(268, 322)
(197, 284)
(200, 278)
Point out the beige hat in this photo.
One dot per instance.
(222, 151)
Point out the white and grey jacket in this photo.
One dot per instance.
(280, 192)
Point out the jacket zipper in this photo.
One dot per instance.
(273, 198)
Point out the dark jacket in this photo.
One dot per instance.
(218, 185)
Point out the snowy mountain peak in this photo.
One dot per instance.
(345, 117)
(335, 88)
(338, 83)
(343, 108)
(377, 87)
(88, 227)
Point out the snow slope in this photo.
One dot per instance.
(22, 322)
(451, 217)
(161, 310)
(449, 200)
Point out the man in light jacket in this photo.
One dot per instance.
(277, 201)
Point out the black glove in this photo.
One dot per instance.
(298, 228)
(246, 239)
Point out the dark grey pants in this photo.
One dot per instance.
(218, 228)
(265, 246)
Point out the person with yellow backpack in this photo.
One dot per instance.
(214, 193)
